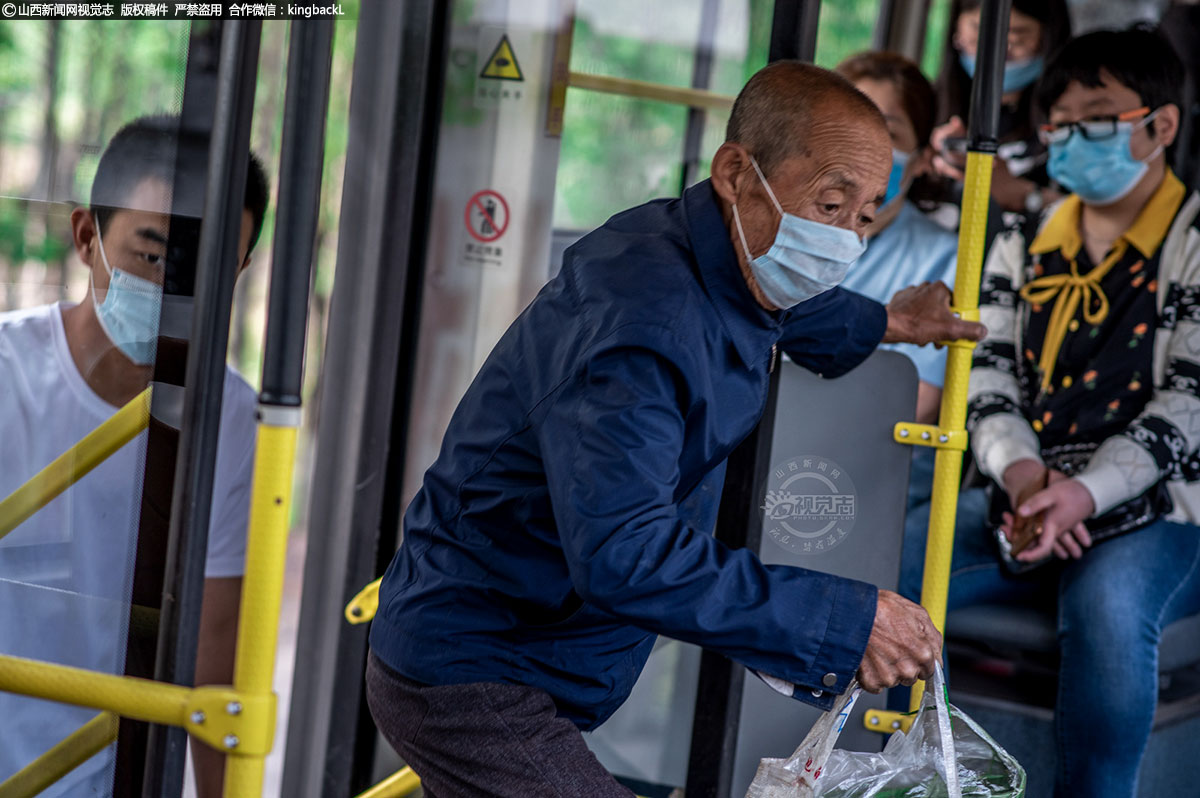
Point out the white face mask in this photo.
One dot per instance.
(130, 310)
(807, 258)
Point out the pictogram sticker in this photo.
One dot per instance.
(486, 215)
(502, 63)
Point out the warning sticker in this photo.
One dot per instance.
(502, 63)
(486, 216)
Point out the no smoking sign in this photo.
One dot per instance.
(486, 216)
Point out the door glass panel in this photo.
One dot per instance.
(70, 583)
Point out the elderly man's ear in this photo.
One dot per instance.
(730, 169)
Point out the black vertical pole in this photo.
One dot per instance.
(301, 161)
(715, 723)
(217, 266)
(983, 121)
(794, 30)
(701, 79)
(739, 518)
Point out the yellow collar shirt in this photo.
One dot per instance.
(1100, 358)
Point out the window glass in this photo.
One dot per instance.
(845, 28)
(618, 152)
(935, 38)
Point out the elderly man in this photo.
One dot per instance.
(568, 519)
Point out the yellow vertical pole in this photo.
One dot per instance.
(262, 588)
(947, 471)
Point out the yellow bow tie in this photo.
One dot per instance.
(1070, 289)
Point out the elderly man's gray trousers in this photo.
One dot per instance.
(483, 739)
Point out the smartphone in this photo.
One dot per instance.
(955, 144)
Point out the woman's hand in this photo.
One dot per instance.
(945, 163)
(1066, 504)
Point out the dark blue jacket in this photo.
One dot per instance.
(568, 519)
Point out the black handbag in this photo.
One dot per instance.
(1071, 459)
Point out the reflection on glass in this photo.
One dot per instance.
(81, 579)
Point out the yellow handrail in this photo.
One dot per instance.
(141, 699)
(364, 605)
(644, 90)
(401, 783)
(73, 464)
(70, 753)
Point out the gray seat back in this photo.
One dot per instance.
(834, 502)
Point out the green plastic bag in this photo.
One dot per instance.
(944, 755)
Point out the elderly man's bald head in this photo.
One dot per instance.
(777, 109)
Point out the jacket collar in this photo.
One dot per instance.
(1147, 232)
(752, 328)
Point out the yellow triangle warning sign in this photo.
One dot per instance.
(502, 63)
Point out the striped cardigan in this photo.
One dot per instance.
(1162, 442)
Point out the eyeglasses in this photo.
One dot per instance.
(1091, 129)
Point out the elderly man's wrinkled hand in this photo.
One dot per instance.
(921, 315)
(904, 645)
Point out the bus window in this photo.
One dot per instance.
(620, 151)
(844, 29)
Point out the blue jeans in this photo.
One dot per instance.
(1112, 606)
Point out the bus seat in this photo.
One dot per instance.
(1015, 627)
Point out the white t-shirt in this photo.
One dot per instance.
(66, 573)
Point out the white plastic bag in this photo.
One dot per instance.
(944, 755)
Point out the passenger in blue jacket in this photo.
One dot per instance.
(568, 519)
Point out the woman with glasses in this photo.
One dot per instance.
(1036, 29)
(1084, 405)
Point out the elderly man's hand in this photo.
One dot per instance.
(904, 645)
(921, 315)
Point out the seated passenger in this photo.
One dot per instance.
(67, 573)
(1036, 29)
(1085, 403)
(904, 247)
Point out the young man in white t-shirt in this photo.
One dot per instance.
(66, 574)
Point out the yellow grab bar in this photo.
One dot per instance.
(73, 464)
(74, 749)
(363, 607)
(399, 784)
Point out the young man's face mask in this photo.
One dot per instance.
(130, 310)
(1101, 170)
(806, 259)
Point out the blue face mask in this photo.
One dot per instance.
(130, 310)
(1017, 74)
(1100, 172)
(896, 187)
(807, 258)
